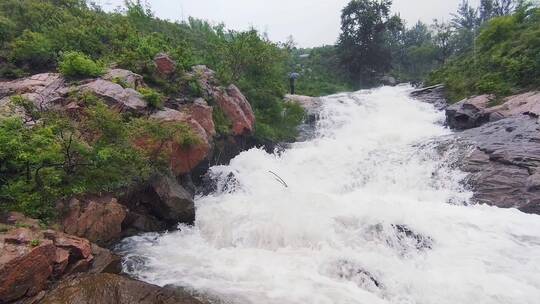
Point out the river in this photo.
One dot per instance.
(367, 211)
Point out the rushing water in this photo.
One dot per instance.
(367, 212)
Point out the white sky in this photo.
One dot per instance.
(310, 22)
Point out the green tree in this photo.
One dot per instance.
(363, 46)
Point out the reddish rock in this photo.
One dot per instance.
(98, 219)
(131, 79)
(164, 64)
(182, 159)
(24, 270)
(117, 97)
(61, 261)
(114, 289)
(203, 114)
(237, 108)
(527, 103)
(78, 247)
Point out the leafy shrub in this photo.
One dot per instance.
(78, 65)
(152, 97)
(222, 122)
(33, 49)
(58, 158)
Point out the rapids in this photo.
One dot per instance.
(368, 211)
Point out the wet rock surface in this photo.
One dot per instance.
(114, 289)
(504, 163)
(434, 95)
(469, 113)
(499, 146)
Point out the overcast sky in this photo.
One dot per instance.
(310, 22)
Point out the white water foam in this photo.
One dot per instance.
(372, 214)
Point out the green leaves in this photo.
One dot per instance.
(78, 65)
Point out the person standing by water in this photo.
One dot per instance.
(292, 78)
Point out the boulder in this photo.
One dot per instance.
(469, 113)
(125, 100)
(127, 77)
(237, 108)
(182, 159)
(105, 261)
(231, 101)
(203, 114)
(175, 204)
(161, 205)
(503, 163)
(164, 64)
(114, 289)
(435, 95)
(475, 111)
(389, 81)
(24, 269)
(98, 219)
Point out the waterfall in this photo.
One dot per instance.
(367, 211)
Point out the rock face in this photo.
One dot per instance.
(114, 289)
(504, 163)
(469, 113)
(98, 219)
(164, 64)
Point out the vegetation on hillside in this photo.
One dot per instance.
(504, 59)
(80, 40)
(60, 155)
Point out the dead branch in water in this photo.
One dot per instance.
(279, 179)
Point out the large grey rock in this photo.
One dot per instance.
(469, 113)
(504, 163)
(118, 97)
(175, 204)
(127, 77)
(161, 205)
(114, 289)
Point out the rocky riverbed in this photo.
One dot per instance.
(500, 140)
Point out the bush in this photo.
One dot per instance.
(78, 65)
(34, 49)
(152, 97)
